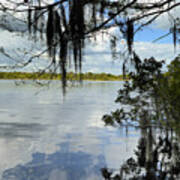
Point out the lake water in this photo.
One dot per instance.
(44, 136)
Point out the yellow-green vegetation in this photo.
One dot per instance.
(53, 76)
(102, 77)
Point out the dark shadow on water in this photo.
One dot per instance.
(24, 130)
(61, 165)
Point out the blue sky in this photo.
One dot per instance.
(149, 34)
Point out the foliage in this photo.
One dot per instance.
(138, 98)
(150, 100)
(169, 91)
(52, 76)
(151, 96)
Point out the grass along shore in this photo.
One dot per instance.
(51, 76)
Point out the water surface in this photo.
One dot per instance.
(44, 136)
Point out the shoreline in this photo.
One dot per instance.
(70, 76)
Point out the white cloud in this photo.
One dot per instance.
(159, 51)
(98, 56)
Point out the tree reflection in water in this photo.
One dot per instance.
(157, 157)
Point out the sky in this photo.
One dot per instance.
(97, 54)
(163, 49)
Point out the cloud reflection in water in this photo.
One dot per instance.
(62, 164)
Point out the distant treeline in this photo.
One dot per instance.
(53, 76)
